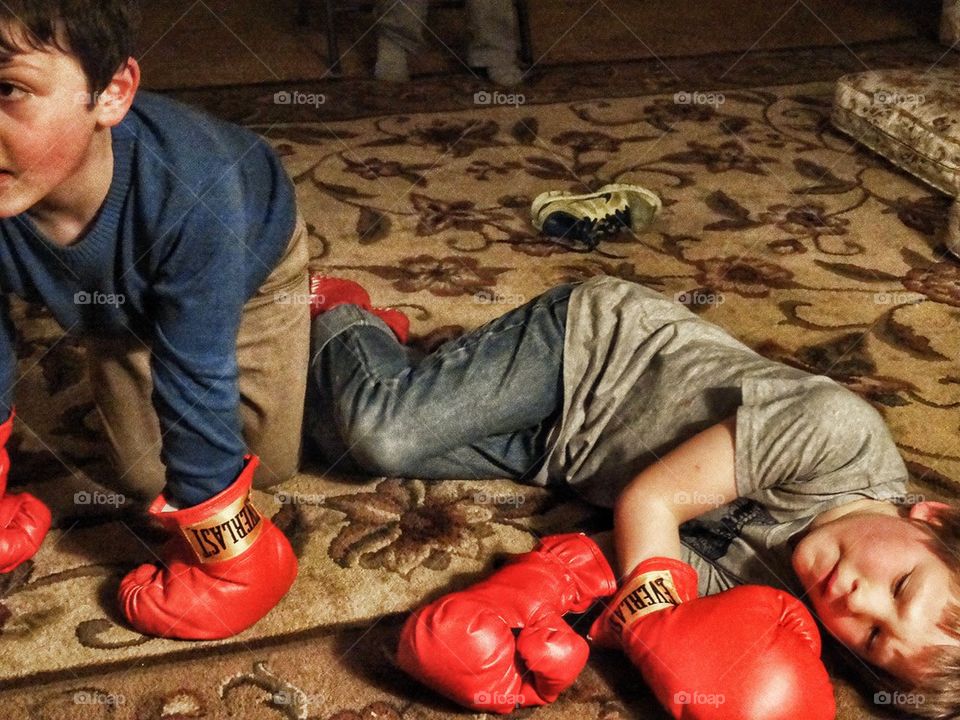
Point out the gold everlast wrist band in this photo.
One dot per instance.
(657, 583)
(227, 533)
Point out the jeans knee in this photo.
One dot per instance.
(393, 453)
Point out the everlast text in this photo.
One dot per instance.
(652, 593)
(217, 540)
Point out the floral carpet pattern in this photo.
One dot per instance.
(776, 227)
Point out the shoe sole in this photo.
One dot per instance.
(646, 195)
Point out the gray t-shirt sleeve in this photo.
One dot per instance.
(801, 442)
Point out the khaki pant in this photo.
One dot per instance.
(493, 28)
(273, 348)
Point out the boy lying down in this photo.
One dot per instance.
(738, 486)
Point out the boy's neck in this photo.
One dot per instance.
(67, 212)
(861, 505)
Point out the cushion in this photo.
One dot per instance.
(950, 24)
(910, 117)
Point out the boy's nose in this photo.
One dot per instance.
(854, 597)
(843, 585)
(861, 600)
(849, 592)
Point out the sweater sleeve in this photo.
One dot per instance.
(198, 299)
(8, 360)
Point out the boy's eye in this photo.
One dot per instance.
(900, 583)
(9, 91)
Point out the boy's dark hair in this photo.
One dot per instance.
(937, 695)
(99, 33)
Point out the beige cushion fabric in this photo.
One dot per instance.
(950, 24)
(911, 118)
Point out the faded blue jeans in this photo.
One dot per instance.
(479, 406)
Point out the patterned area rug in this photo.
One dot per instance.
(808, 248)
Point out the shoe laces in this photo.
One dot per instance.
(589, 231)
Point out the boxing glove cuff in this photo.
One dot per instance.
(655, 584)
(221, 528)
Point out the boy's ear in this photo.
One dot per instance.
(928, 511)
(115, 100)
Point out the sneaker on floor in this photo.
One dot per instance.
(328, 292)
(589, 217)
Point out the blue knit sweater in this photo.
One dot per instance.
(198, 213)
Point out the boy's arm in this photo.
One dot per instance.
(751, 652)
(693, 478)
(197, 302)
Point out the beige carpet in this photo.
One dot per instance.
(185, 43)
(815, 252)
(347, 675)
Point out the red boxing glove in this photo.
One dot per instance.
(463, 645)
(225, 569)
(24, 520)
(750, 653)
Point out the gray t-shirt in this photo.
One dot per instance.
(642, 374)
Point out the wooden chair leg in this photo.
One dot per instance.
(333, 49)
(523, 29)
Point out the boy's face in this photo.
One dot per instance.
(877, 586)
(46, 125)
